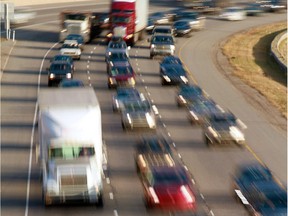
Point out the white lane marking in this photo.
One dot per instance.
(202, 196)
(91, 52)
(179, 155)
(88, 62)
(211, 212)
(174, 144)
(241, 123)
(115, 213)
(33, 131)
(88, 77)
(87, 66)
(138, 69)
(7, 60)
(152, 101)
(164, 125)
(88, 71)
(193, 181)
(89, 57)
(149, 93)
(186, 167)
(108, 180)
(169, 134)
(94, 48)
(111, 195)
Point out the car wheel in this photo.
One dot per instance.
(151, 56)
(123, 126)
(79, 58)
(207, 141)
(49, 83)
(109, 86)
(163, 82)
(100, 202)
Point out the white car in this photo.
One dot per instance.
(71, 48)
(233, 14)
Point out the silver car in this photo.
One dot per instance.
(161, 45)
(138, 114)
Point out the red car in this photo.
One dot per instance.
(121, 74)
(168, 188)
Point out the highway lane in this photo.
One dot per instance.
(21, 87)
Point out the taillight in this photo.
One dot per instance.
(188, 196)
(154, 195)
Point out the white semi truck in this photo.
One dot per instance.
(71, 149)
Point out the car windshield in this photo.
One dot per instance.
(171, 60)
(162, 30)
(75, 37)
(255, 174)
(59, 67)
(121, 71)
(181, 24)
(138, 106)
(164, 178)
(120, 19)
(175, 70)
(62, 58)
(187, 91)
(70, 152)
(162, 39)
(127, 93)
(116, 56)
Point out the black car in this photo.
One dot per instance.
(182, 28)
(265, 198)
(173, 74)
(202, 109)
(248, 174)
(170, 60)
(188, 94)
(59, 71)
(64, 58)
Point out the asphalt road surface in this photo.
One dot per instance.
(211, 168)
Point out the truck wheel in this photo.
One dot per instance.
(49, 83)
(207, 141)
(151, 56)
(100, 202)
(123, 126)
(163, 82)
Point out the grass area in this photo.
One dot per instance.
(283, 49)
(248, 53)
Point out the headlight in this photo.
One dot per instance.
(194, 115)
(109, 35)
(131, 80)
(112, 80)
(182, 98)
(172, 47)
(236, 133)
(78, 52)
(129, 118)
(213, 132)
(184, 79)
(167, 78)
(68, 75)
(150, 120)
(129, 36)
(52, 76)
(152, 46)
(64, 30)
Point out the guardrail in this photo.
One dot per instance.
(274, 50)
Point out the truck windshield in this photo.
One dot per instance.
(75, 17)
(120, 19)
(70, 152)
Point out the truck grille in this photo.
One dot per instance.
(73, 185)
(140, 121)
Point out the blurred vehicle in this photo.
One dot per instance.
(64, 58)
(116, 56)
(78, 38)
(128, 19)
(247, 174)
(102, 20)
(223, 128)
(202, 109)
(257, 190)
(170, 60)
(273, 5)
(163, 30)
(59, 70)
(187, 94)
(71, 48)
(124, 95)
(153, 151)
(121, 74)
(157, 18)
(196, 21)
(161, 45)
(254, 9)
(71, 83)
(139, 114)
(168, 188)
(233, 14)
(117, 44)
(182, 28)
(173, 74)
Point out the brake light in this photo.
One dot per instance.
(188, 196)
(154, 195)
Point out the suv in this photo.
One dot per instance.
(161, 45)
(58, 71)
(162, 30)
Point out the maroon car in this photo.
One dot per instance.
(121, 74)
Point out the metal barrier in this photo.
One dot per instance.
(274, 50)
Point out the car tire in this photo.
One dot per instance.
(163, 82)
(100, 202)
(123, 126)
(151, 56)
(49, 83)
(207, 141)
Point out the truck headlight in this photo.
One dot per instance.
(129, 36)
(172, 47)
(112, 80)
(152, 46)
(68, 75)
(51, 76)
